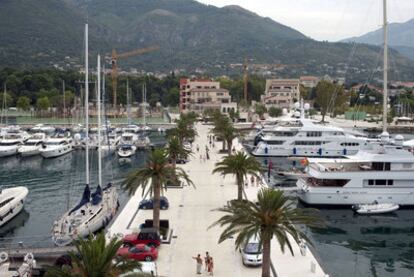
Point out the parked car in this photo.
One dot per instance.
(149, 203)
(147, 236)
(182, 161)
(252, 252)
(139, 252)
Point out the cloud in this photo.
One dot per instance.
(327, 19)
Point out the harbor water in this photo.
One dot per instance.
(54, 186)
(350, 245)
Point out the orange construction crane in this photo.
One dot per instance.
(114, 58)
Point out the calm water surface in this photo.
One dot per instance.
(54, 185)
(350, 245)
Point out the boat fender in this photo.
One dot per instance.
(344, 151)
(3, 257)
(294, 151)
(266, 150)
(320, 151)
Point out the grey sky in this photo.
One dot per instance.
(326, 19)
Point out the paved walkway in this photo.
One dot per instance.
(190, 214)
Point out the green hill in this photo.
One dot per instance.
(191, 36)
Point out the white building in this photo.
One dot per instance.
(281, 93)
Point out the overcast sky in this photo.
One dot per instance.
(326, 19)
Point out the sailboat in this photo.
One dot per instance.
(95, 210)
(381, 174)
(143, 140)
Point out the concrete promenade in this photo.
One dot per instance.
(190, 214)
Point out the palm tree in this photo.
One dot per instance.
(221, 125)
(176, 150)
(229, 134)
(241, 165)
(95, 258)
(154, 178)
(184, 129)
(272, 216)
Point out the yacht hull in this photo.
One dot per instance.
(52, 153)
(26, 152)
(15, 206)
(8, 151)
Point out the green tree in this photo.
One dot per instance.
(153, 177)
(329, 97)
(23, 103)
(221, 125)
(240, 165)
(94, 257)
(43, 104)
(275, 112)
(175, 150)
(260, 110)
(6, 100)
(274, 215)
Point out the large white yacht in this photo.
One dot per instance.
(33, 145)
(55, 147)
(129, 138)
(384, 174)
(11, 202)
(306, 138)
(10, 143)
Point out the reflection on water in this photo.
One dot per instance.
(55, 185)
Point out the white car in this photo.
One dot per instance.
(252, 253)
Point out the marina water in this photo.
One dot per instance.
(350, 245)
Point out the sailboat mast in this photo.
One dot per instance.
(64, 104)
(3, 106)
(87, 104)
(99, 121)
(128, 104)
(144, 103)
(385, 72)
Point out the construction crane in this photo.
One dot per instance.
(114, 61)
(245, 80)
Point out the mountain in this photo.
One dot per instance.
(400, 37)
(192, 36)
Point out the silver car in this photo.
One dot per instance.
(252, 253)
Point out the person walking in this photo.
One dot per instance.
(210, 268)
(252, 180)
(206, 261)
(199, 263)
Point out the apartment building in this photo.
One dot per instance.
(281, 93)
(309, 81)
(199, 95)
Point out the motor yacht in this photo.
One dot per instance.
(91, 214)
(143, 141)
(43, 128)
(10, 143)
(126, 150)
(306, 138)
(384, 173)
(55, 147)
(11, 202)
(131, 129)
(33, 145)
(129, 138)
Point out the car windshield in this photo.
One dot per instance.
(252, 248)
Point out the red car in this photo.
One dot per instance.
(139, 252)
(148, 236)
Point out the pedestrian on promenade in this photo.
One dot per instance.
(206, 261)
(210, 266)
(258, 181)
(198, 148)
(199, 263)
(246, 182)
(252, 180)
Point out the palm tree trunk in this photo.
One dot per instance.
(156, 208)
(224, 145)
(230, 146)
(239, 180)
(266, 258)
